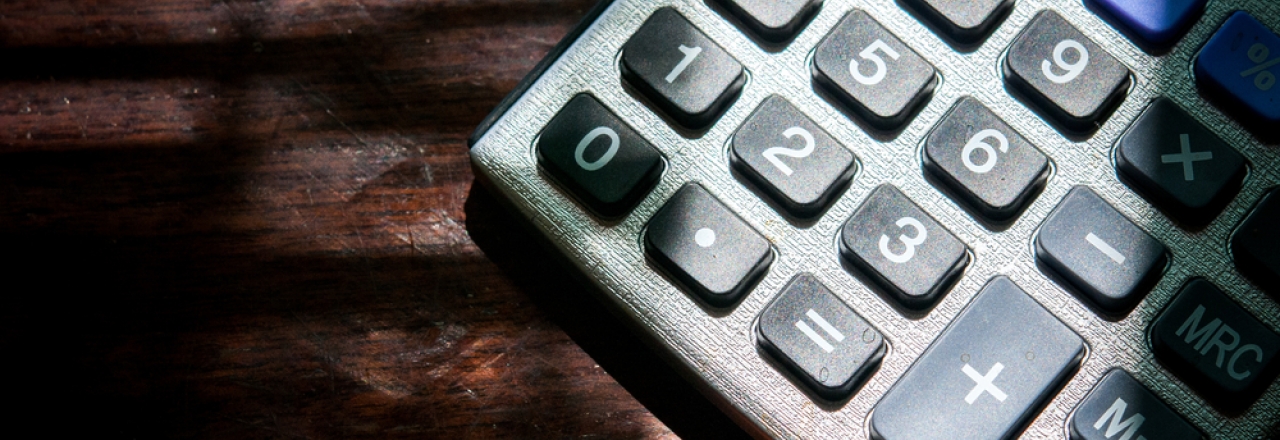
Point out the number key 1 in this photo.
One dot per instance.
(788, 156)
(1064, 74)
(912, 257)
(872, 73)
(680, 70)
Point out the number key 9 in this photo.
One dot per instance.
(1064, 74)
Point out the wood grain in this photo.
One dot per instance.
(256, 219)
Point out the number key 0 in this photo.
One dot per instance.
(600, 160)
(1064, 74)
(912, 257)
(872, 73)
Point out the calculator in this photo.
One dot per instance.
(919, 219)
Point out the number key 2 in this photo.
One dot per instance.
(680, 70)
(1064, 74)
(792, 159)
(903, 250)
(872, 73)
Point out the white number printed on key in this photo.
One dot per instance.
(869, 54)
(772, 153)
(586, 141)
(1106, 249)
(909, 242)
(979, 142)
(689, 54)
(1073, 70)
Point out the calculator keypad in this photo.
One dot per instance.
(902, 249)
(706, 247)
(827, 178)
(984, 161)
(872, 73)
(598, 158)
(1064, 74)
(680, 70)
(797, 164)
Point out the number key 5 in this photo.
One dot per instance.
(1064, 74)
(872, 73)
(903, 250)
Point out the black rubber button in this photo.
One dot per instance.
(1178, 164)
(986, 376)
(600, 160)
(1064, 74)
(902, 249)
(1255, 243)
(705, 247)
(963, 23)
(1119, 407)
(774, 21)
(872, 73)
(819, 339)
(988, 165)
(1216, 347)
(680, 70)
(796, 164)
(1109, 261)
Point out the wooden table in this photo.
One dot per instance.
(257, 219)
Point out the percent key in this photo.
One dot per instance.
(1238, 68)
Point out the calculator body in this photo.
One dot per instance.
(719, 345)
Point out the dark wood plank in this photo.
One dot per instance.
(255, 219)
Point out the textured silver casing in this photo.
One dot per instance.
(719, 347)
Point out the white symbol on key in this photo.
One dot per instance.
(984, 383)
(824, 325)
(705, 237)
(1106, 249)
(1186, 157)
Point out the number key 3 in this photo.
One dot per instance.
(790, 158)
(1064, 74)
(903, 250)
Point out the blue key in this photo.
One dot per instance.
(1155, 25)
(1239, 65)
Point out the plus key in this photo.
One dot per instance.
(1179, 165)
(986, 376)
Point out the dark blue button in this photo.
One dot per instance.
(1154, 25)
(1239, 65)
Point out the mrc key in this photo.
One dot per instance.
(1217, 347)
